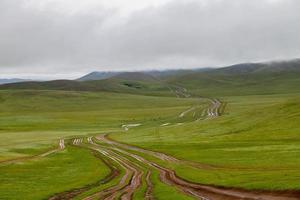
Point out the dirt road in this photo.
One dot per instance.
(198, 191)
(61, 146)
(131, 168)
(213, 109)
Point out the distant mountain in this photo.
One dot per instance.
(252, 68)
(173, 72)
(12, 80)
(47, 85)
(98, 76)
(135, 76)
(240, 79)
(126, 83)
(244, 79)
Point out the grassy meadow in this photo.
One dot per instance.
(35, 119)
(254, 144)
(32, 122)
(43, 177)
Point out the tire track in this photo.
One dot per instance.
(200, 191)
(136, 179)
(149, 191)
(165, 175)
(111, 192)
(77, 141)
(181, 115)
(114, 172)
(168, 158)
(61, 146)
(124, 188)
(213, 110)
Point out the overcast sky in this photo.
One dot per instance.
(67, 38)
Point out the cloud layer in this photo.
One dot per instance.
(49, 38)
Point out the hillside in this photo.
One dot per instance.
(226, 143)
(241, 79)
(50, 85)
(97, 76)
(161, 74)
(135, 76)
(130, 82)
(12, 80)
(244, 79)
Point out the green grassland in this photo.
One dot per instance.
(219, 84)
(118, 85)
(254, 144)
(32, 122)
(33, 119)
(43, 177)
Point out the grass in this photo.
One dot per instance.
(60, 110)
(253, 148)
(129, 85)
(33, 119)
(160, 190)
(220, 84)
(41, 178)
(255, 144)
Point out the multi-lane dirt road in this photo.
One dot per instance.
(132, 168)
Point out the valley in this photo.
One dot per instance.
(199, 135)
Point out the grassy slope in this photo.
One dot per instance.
(241, 79)
(41, 178)
(130, 85)
(218, 84)
(34, 119)
(255, 144)
(279, 77)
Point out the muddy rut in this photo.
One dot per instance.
(198, 191)
(130, 181)
(131, 171)
(114, 172)
(60, 147)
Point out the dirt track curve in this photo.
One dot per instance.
(132, 170)
(198, 191)
(61, 146)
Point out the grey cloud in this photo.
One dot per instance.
(220, 32)
(177, 34)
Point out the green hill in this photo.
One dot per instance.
(244, 79)
(241, 79)
(253, 146)
(125, 83)
(97, 76)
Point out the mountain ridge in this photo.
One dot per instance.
(243, 78)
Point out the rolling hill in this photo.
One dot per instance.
(12, 80)
(97, 76)
(67, 142)
(240, 79)
(244, 79)
(135, 76)
(161, 74)
(128, 82)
